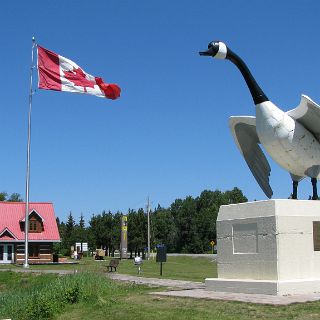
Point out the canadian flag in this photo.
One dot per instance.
(61, 74)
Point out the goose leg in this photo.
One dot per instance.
(295, 189)
(314, 189)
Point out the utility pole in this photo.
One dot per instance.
(148, 215)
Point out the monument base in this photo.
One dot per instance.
(268, 247)
(270, 287)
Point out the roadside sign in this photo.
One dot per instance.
(212, 245)
(161, 255)
(82, 246)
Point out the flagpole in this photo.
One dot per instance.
(26, 226)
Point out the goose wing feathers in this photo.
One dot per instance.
(245, 135)
(307, 113)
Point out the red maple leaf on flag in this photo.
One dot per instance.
(78, 77)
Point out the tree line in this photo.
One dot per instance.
(14, 197)
(186, 226)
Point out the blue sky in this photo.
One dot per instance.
(167, 136)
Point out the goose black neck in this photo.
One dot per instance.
(257, 94)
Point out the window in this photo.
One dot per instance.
(32, 225)
(34, 250)
(35, 226)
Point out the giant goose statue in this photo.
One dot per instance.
(291, 138)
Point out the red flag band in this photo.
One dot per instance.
(61, 74)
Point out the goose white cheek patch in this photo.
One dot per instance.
(222, 53)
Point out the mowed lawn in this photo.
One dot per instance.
(176, 267)
(179, 268)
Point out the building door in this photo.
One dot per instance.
(6, 253)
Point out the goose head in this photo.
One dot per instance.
(219, 50)
(216, 49)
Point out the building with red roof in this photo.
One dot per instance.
(43, 232)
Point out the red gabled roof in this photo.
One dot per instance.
(6, 235)
(11, 213)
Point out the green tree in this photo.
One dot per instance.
(188, 225)
(58, 248)
(204, 222)
(137, 232)
(183, 212)
(15, 197)
(80, 232)
(164, 230)
(235, 196)
(3, 196)
(69, 235)
(101, 229)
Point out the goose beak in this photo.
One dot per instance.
(210, 52)
(213, 49)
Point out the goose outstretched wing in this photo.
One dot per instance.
(245, 135)
(307, 113)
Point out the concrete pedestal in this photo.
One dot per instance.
(268, 247)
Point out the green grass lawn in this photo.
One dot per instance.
(28, 296)
(102, 298)
(180, 267)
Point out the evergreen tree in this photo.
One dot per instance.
(82, 222)
(80, 232)
(137, 231)
(101, 230)
(69, 236)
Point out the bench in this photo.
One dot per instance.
(113, 264)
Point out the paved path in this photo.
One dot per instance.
(251, 298)
(189, 289)
(155, 282)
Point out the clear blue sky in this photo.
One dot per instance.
(167, 136)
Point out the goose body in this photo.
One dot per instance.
(292, 139)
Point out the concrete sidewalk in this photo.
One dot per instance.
(241, 297)
(189, 289)
(155, 282)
